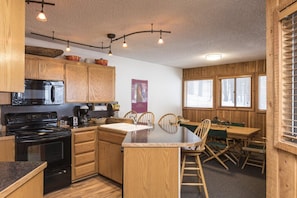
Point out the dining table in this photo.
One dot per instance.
(233, 132)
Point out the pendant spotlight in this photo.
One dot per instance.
(160, 41)
(68, 48)
(41, 16)
(124, 43)
(111, 36)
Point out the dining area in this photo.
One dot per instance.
(233, 142)
(233, 153)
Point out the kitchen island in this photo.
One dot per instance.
(152, 161)
(21, 179)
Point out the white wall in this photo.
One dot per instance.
(164, 83)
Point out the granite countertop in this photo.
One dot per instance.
(15, 174)
(158, 136)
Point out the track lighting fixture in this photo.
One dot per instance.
(68, 48)
(160, 41)
(112, 38)
(41, 16)
(124, 43)
(110, 53)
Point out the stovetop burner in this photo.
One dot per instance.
(34, 126)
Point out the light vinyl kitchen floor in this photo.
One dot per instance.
(90, 188)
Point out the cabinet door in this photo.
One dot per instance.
(5, 98)
(76, 83)
(31, 68)
(43, 69)
(12, 46)
(7, 145)
(101, 84)
(110, 161)
(51, 70)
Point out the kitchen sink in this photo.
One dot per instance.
(126, 126)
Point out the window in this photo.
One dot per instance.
(289, 78)
(236, 92)
(262, 93)
(199, 93)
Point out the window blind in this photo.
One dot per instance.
(289, 78)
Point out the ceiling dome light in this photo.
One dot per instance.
(213, 57)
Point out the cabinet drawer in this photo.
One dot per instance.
(84, 147)
(111, 137)
(84, 158)
(85, 170)
(84, 136)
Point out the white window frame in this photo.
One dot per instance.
(262, 92)
(199, 105)
(235, 106)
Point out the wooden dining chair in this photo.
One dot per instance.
(255, 153)
(168, 119)
(236, 144)
(218, 147)
(192, 168)
(147, 118)
(130, 113)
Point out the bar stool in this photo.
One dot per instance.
(194, 169)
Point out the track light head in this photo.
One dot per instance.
(41, 16)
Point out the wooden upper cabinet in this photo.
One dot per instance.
(12, 46)
(31, 68)
(51, 70)
(43, 68)
(101, 83)
(76, 85)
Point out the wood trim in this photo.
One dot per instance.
(289, 9)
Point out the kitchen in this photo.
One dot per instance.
(130, 69)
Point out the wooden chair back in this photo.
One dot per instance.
(130, 114)
(146, 117)
(202, 131)
(168, 119)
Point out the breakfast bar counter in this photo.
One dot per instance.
(152, 160)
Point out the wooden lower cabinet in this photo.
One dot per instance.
(84, 153)
(32, 188)
(7, 144)
(110, 155)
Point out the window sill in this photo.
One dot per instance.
(287, 146)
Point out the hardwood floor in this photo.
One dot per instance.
(90, 188)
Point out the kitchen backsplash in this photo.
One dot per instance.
(62, 110)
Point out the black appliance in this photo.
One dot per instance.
(39, 92)
(38, 138)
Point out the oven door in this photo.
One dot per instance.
(56, 152)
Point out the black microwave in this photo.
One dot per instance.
(40, 92)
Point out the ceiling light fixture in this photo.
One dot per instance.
(68, 48)
(41, 16)
(111, 36)
(160, 41)
(213, 57)
(124, 43)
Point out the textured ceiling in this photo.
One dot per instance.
(235, 28)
